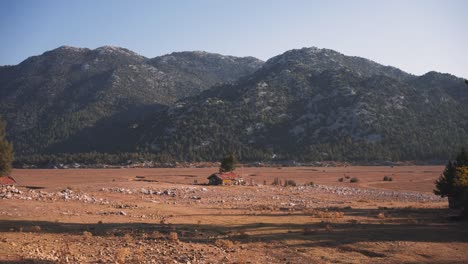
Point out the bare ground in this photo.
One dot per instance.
(161, 216)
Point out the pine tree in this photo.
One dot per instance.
(6, 152)
(462, 182)
(447, 184)
(462, 158)
(228, 164)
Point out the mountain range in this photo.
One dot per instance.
(305, 104)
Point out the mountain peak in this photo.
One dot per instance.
(205, 59)
(204, 54)
(71, 48)
(113, 50)
(67, 49)
(318, 60)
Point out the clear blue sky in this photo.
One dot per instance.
(417, 35)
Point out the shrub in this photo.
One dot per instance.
(173, 236)
(138, 256)
(340, 179)
(121, 255)
(311, 183)
(327, 214)
(275, 181)
(354, 179)
(387, 178)
(289, 183)
(224, 244)
(87, 234)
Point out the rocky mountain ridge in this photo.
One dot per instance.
(63, 93)
(317, 104)
(305, 104)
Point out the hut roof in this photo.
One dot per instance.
(225, 175)
(7, 180)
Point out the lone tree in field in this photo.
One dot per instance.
(228, 164)
(451, 182)
(6, 152)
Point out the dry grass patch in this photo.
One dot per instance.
(156, 235)
(173, 236)
(127, 237)
(327, 214)
(87, 234)
(138, 256)
(224, 244)
(381, 216)
(121, 255)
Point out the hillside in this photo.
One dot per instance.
(317, 104)
(76, 99)
(305, 104)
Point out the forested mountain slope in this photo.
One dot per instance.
(317, 104)
(76, 99)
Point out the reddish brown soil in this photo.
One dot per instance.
(411, 178)
(228, 224)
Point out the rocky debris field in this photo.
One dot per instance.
(378, 194)
(145, 248)
(11, 192)
(273, 197)
(250, 198)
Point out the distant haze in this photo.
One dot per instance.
(416, 36)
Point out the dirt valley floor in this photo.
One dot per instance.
(170, 216)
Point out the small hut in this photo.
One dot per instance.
(7, 180)
(225, 178)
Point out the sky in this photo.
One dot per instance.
(415, 35)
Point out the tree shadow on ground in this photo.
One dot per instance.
(412, 225)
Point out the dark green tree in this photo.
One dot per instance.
(6, 152)
(446, 185)
(462, 182)
(228, 164)
(462, 158)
